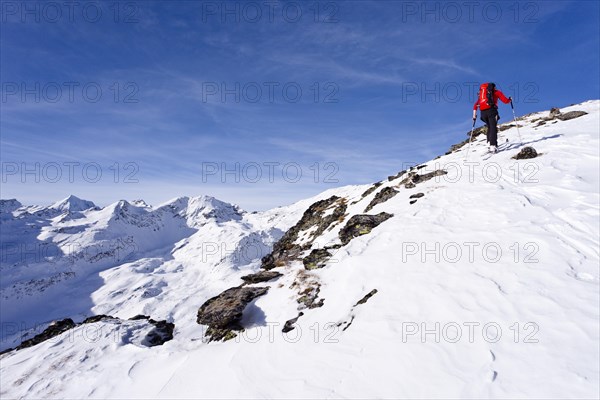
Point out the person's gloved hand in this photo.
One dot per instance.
(510, 99)
(474, 115)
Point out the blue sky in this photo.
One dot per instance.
(383, 84)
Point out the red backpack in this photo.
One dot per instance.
(486, 96)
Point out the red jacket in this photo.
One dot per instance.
(481, 101)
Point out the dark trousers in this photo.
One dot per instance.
(490, 117)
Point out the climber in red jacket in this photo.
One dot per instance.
(487, 101)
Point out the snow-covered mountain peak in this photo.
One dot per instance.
(72, 204)
(140, 203)
(199, 210)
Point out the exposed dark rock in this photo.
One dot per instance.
(55, 329)
(215, 334)
(370, 190)
(482, 130)
(309, 297)
(138, 317)
(413, 178)
(162, 332)
(412, 201)
(262, 276)
(526, 152)
(383, 195)
(96, 318)
(398, 175)
(224, 312)
(289, 324)
(285, 249)
(420, 166)
(316, 259)
(457, 146)
(505, 127)
(366, 298)
(570, 115)
(554, 112)
(361, 224)
(416, 195)
(346, 323)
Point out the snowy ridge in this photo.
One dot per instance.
(483, 283)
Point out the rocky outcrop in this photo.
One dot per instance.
(316, 259)
(414, 178)
(224, 312)
(55, 329)
(525, 153)
(370, 190)
(96, 318)
(570, 115)
(262, 276)
(457, 146)
(382, 196)
(414, 197)
(346, 324)
(162, 332)
(313, 219)
(309, 297)
(289, 324)
(556, 114)
(361, 224)
(398, 175)
(482, 130)
(366, 298)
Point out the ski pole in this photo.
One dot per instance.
(470, 138)
(516, 122)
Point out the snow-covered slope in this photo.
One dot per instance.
(484, 282)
